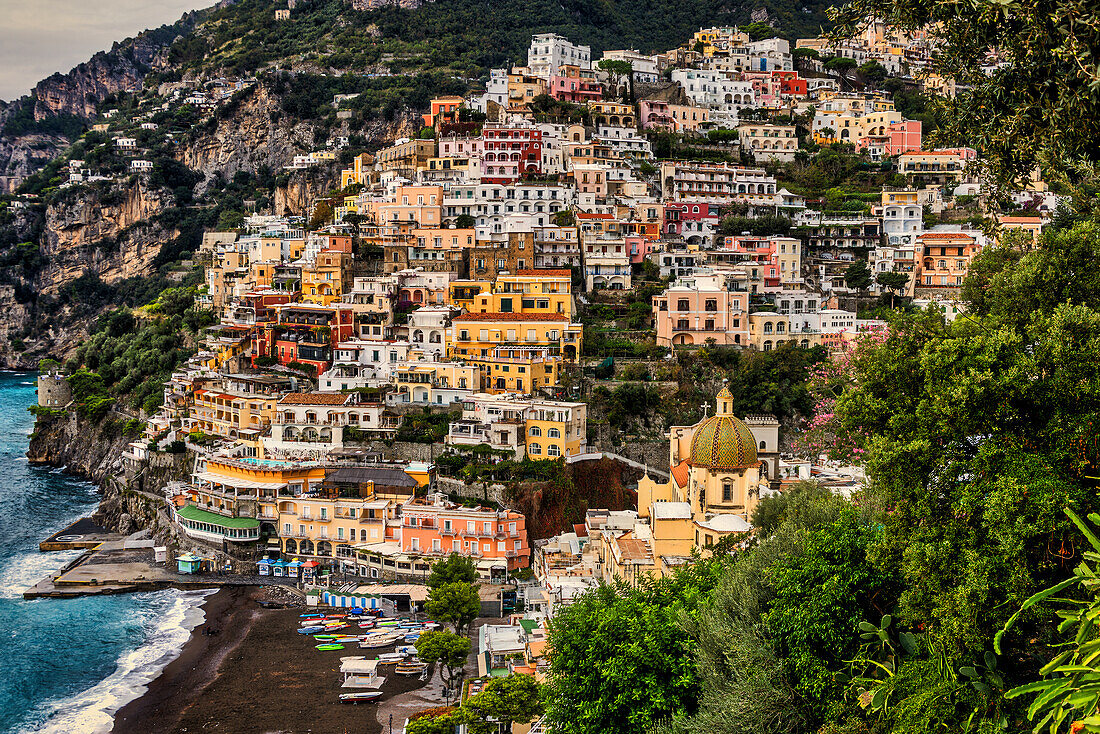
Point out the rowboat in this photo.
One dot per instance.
(359, 697)
(330, 646)
(391, 657)
(310, 630)
(410, 668)
(406, 650)
(373, 642)
(311, 614)
(366, 625)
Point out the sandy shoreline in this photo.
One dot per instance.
(246, 670)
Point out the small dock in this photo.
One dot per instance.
(82, 534)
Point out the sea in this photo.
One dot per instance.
(67, 665)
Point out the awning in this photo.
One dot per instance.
(238, 482)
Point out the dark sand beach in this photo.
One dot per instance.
(246, 670)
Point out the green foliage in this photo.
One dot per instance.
(1069, 690)
(757, 226)
(427, 427)
(433, 722)
(502, 701)
(457, 604)
(1040, 105)
(620, 659)
(454, 569)
(858, 275)
(447, 649)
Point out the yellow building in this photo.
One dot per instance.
(521, 370)
(433, 383)
(477, 334)
(327, 278)
(231, 415)
(461, 293)
(531, 427)
(528, 291)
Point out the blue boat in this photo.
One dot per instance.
(309, 630)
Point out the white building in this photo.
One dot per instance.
(644, 67)
(364, 363)
(716, 91)
(549, 52)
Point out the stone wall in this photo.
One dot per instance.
(479, 491)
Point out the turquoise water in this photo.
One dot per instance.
(68, 664)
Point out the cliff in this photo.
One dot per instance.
(94, 451)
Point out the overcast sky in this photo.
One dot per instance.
(39, 37)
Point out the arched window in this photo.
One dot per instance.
(727, 490)
(767, 327)
(762, 446)
(780, 328)
(536, 431)
(767, 346)
(534, 449)
(553, 450)
(553, 433)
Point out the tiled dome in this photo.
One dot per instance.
(723, 442)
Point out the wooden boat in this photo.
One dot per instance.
(360, 697)
(410, 668)
(406, 650)
(330, 646)
(373, 642)
(391, 657)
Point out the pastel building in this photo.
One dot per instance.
(698, 308)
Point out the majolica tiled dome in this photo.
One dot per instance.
(722, 441)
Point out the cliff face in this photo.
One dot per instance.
(250, 138)
(105, 232)
(22, 155)
(93, 451)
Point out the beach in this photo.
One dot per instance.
(246, 670)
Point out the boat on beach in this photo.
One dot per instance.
(410, 668)
(330, 646)
(360, 696)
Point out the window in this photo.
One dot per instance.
(534, 449)
(682, 305)
(553, 450)
(711, 305)
(727, 490)
(553, 433)
(536, 431)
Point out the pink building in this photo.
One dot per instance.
(655, 114)
(639, 247)
(903, 137)
(698, 308)
(494, 537)
(575, 85)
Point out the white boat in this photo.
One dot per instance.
(410, 668)
(360, 696)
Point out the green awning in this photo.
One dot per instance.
(190, 512)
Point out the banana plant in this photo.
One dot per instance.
(1067, 697)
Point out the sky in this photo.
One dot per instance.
(39, 37)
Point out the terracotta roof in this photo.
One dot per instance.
(315, 398)
(1021, 220)
(512, 317)
(594, 215)
(945, 236)
(634, 550)
(580, 530)
(555, 273)
(681, 472)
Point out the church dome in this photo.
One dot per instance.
(723, 442)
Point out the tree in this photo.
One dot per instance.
(449, 650)
(872, 72)
(513, 698)
(454, 569)
(322, 215)
(1038, 105)
(892, 281)
(465, 221)
(619, 70)
(620, 659)
(858, 275)
(841, 65)
(457, 604)
(435, 721)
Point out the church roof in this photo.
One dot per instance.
(723, 442)
(681, 472)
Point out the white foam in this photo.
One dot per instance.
(27, 569)
(93, 711)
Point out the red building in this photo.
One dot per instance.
(694, 222)
(304, 333)
(508, 153)
(790, 84)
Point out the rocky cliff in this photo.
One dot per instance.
(94, 451)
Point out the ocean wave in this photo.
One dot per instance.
(26, 569)
(171, 616)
